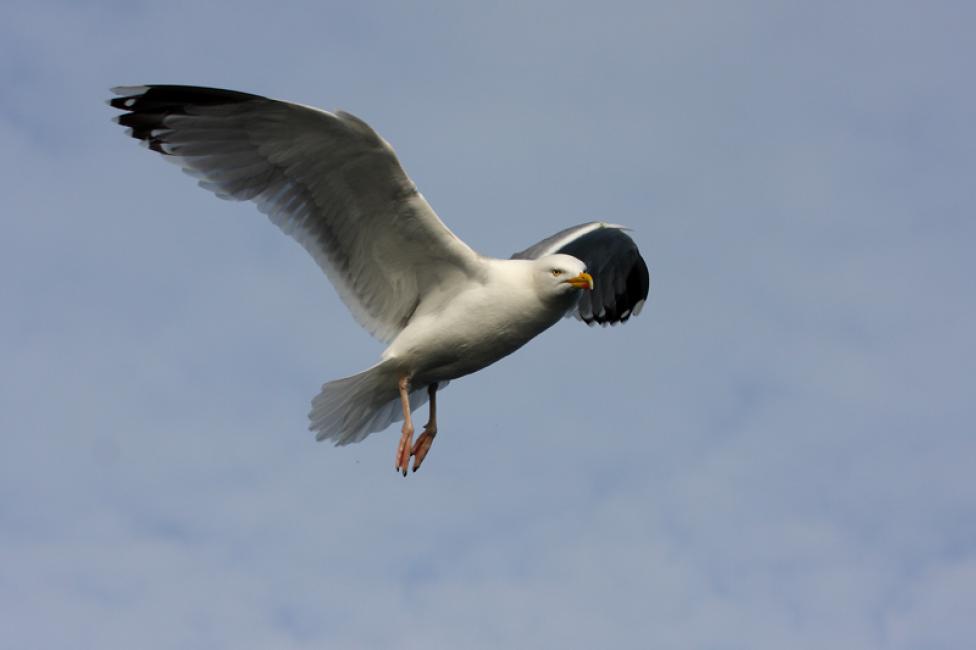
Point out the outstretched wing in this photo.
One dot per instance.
(326, 179)
(620, 277)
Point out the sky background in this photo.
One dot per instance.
(778, 453)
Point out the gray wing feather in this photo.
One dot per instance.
(326, 179)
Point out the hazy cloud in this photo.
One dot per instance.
(777, 453)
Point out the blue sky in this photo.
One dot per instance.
(777, 453)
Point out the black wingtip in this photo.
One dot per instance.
(622, 280)
(147, 106)
(156, 97)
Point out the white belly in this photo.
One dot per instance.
(470, 331)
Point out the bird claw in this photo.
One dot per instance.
(422, 446)
(404, 451)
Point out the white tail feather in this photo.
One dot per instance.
(349, 409)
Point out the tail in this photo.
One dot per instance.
(347, 410)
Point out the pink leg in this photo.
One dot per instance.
(422, 446)
(403, 450)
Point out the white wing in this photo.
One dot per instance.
(620, 277)
(326, 179)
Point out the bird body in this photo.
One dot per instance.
(459, 333)
(452, 335)
(332, 183)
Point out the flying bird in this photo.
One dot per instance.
(332, 183)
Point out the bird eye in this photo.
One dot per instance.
(556, 273)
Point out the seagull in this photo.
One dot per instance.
(333, 184)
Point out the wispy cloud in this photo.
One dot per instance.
(775, 454)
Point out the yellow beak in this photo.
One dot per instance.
(582, 281)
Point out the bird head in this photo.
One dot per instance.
(560, 275)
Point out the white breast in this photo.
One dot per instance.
(454, 334)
